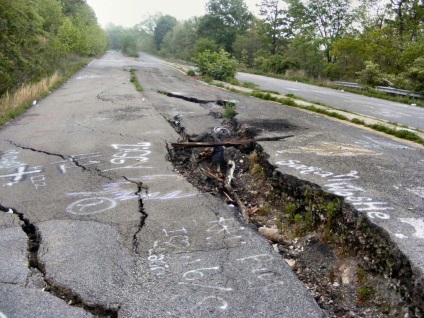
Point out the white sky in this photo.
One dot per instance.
(130, 12)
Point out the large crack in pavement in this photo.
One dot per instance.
(334, 223)
(65, 294)
(195, 100)
(66, 158)
(141, 210)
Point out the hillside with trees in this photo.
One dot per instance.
(39, 37)
(375, 42)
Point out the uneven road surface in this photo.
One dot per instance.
(96, 221)
(409, 115)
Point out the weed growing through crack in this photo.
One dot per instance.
(290, 210)
(265, 210)
(135, 81)
(230, 110)
(365, 292)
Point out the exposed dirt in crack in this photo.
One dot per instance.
(330, 246)
(35, 266)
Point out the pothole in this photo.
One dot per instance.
(330, 246)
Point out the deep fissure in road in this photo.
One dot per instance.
(141, 210)
(349, 264)
(63, 293)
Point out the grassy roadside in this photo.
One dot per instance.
(14, 104)
(365, 92)
(289, 101)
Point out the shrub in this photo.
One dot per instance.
(278, 65)
(371, 75)
(416, 75)
(217, 65)
(191, 73)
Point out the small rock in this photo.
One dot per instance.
(336, 284)
(275, 246)
(271, 234)
(290, 262)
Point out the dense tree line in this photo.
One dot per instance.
(37, 35)
(377, 42)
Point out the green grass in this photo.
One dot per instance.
(135, 81)
(403, 134)
(250, 85)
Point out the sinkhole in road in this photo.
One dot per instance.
(330, 245)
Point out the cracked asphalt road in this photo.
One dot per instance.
(377, 108)
(95, 221)
(380, 177)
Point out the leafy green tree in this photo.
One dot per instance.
(275, 26)
(329, 20)
(22, 40)
(51, 12)
(349, 54)
(408, 17)
(37, 35)
(246, 46)
(205, 44)
(164, 25)
(115, 34)
(306, 51)
(70, 7)
(181, 40)
(416, 75)
(225, 19)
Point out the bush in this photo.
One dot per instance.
(203, 45)
(371, 75)
(217, 65)
(416, 75)
(278, 65)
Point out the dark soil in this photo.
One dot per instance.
(298, 220)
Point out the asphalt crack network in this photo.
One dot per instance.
(37, 150)
(63, 293)
(66, 158)
(141, 210)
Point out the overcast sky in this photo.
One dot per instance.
(130, 12)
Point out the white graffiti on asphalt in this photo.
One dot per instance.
(341, 185)
(106, 199)
(417, 224)
(16, 171)
(132, 156)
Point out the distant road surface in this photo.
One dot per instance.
(394, 112)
